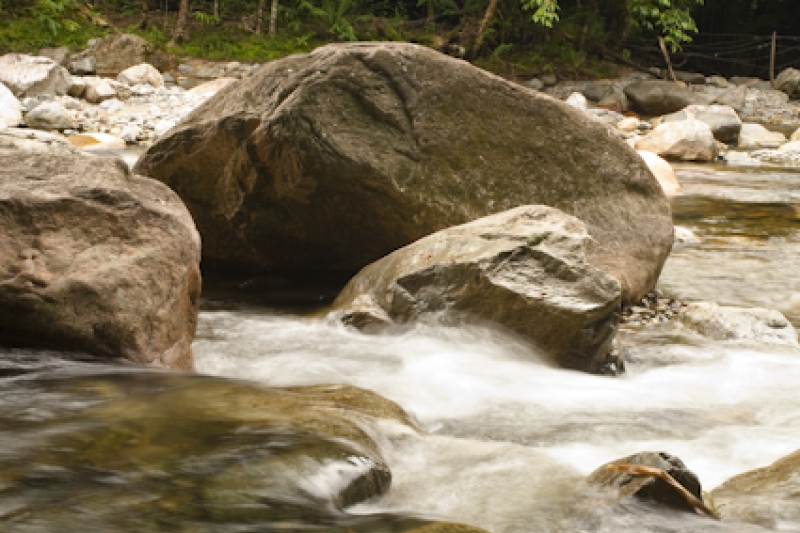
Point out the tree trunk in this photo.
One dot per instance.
(216, 9)
(259, 16)
(182, 27)
(487, 19)
(273, 18)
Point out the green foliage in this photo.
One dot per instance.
(672, 18)
(545, 12)
(56, 16)
(334, 14)
(502, 50)
(205, 18)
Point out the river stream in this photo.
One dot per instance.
(506, 437)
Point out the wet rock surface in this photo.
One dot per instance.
(95, 259)
(523, 269)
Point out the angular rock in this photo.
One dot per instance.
(10, 108)
(663, 172)
(28, 75)
(734, 98)
(77, 88)
(744, 81)
(725, 124)
(143, 74)
(117, 52)
(739, 324)
(795, 136)
(59, 55)
(615, 101)
(659, 97)
(718, 81)
(598, 89)
(788, 81)
(322, 163)
(768, 497)
(756, 136)
(50, 116)
(524, 269)
(648, 488)
(95, 259)
(688, 140)
(86, 66)
(98, 90)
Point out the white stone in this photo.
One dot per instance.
(163, 126)
(98, 90)
(687, 140)
(130, 134)
(28, 75)
(142, 74)
(756, 136)
(663, 172)
(793, 146)
(10, 108)
(578, 101)
(741, 159)
(795, 136)
(50, 116)
(112, 106)
(628, 125)
(686, 236)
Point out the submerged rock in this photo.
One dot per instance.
(740, 324)
(524, 269)
(95, 259)
(768, 497)
(325, 162)
(204, 450)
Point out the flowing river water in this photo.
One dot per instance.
(506, 437)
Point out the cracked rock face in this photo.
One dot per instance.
(325, 162)
(524, 269)
(95, 259)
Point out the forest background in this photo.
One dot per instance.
(515, 38)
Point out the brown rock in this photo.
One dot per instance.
(117, 52)
(95, 259)
(322, 163)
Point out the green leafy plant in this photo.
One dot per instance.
(545, 12)
(205, 18)
(333, 13)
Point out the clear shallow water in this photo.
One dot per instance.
(748, 224)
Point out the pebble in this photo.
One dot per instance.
(653, 309)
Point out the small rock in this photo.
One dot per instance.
(112, 106)
(549, 80)
(688, 140)
(86, 66)
(130, 134)
(578, 101)
(755, 136)
(142, 74)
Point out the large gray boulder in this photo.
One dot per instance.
(95, 259)
(768, 497)
(325, 162)
(28, 75)
(660, 97)
(524, 269)
(10, 108)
